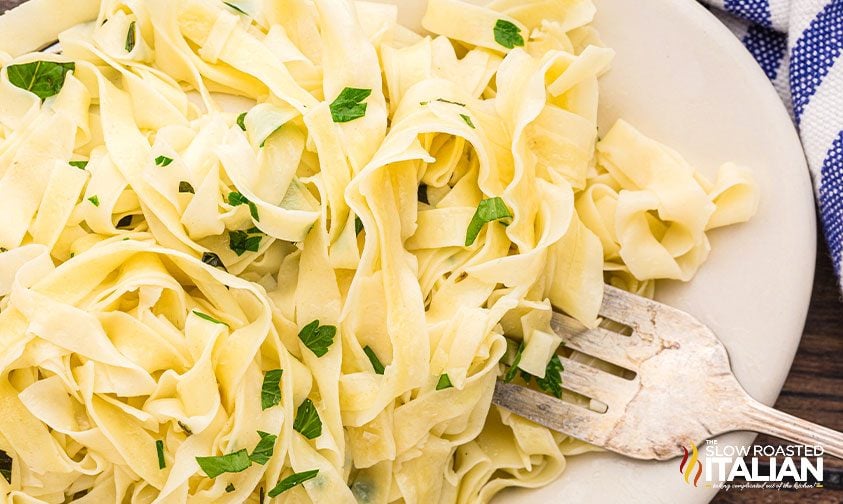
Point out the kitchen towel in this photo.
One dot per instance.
(799, 45)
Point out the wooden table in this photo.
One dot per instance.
(814, 388)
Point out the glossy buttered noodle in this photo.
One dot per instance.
(148, 295)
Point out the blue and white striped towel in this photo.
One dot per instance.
(799, 44)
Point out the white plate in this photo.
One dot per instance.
(683, 78)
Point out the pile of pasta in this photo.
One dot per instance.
(280, 249)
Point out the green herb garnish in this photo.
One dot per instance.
(207, 317)
(489, 210)
(318, 338)
(6, 466)
(468, 121)
(444, 382)
(130, 37)
(307, 422)
(508, 34)
(552, 381)
(230, 463)
(358, 225)
(241, 121)
(270, 390)
(185, 187)
(349, 105)
(229, 488)
(238, 9)
(79, 164)
(185, 428)
(41, 78)
(373, 358)
(163, 161)
(213, 260)
(291, 481)
(513, 369)
(95, 200)
(236, 199)
(242, 241)
(159, 447)
(263, 451)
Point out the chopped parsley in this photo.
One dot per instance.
(207, 317)
(159, 447)
(6, 466)
(444, 382)
(238, 9)
(373, 358)
(443, 100)
(124, 222)
(230, 488)
(263, 451)
(349, 105)
(292, 481)
(270, 390)
(317, 338)
(241, 121)
(187, 430)
(41, 78)
(307, 421)
(185, 187)
(79, 164)
(244, 241)
(236, 199)
(468, 121)
(95, 200)
(230, 463)
(513, 369)
(163, 161)
(552, 381)
(213, 260)
(508, 34)
(489, 210)
(130, 37)
(358, 225)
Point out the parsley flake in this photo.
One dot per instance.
(270, 390)
(159, 447)
(241, 121)
(444, 382)
(213, 260)
(373, 358)
(130, 38)
(79, 164)
(185, 187)
(238, 9)
(229, 488)
(552, 381)
(263, 451)
(358, 225)
(307, 422)
(185, 428)
(468, 121)
(163, 161)
(230, 463)
(489, 210)
(236, 199)
(207, 317)
(6, 466)
(41, 78)
(244, 241)
(317, 338)
(508, 34)
(292, 481)
(513, 369)
(95, 200)
(349, 105)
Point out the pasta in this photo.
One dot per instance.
(285, 249)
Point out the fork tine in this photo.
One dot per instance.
(635, 311)
(593, 383)
(607, 345)
(548, 411)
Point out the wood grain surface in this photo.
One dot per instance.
(814, 388)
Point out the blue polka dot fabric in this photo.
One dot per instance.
(799, 45)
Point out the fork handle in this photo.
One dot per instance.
(757, 417)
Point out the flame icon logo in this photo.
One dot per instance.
(690, 460)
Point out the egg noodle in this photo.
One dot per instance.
(284, 249)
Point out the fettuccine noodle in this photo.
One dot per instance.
(281, 248)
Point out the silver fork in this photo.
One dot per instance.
(683, 390)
